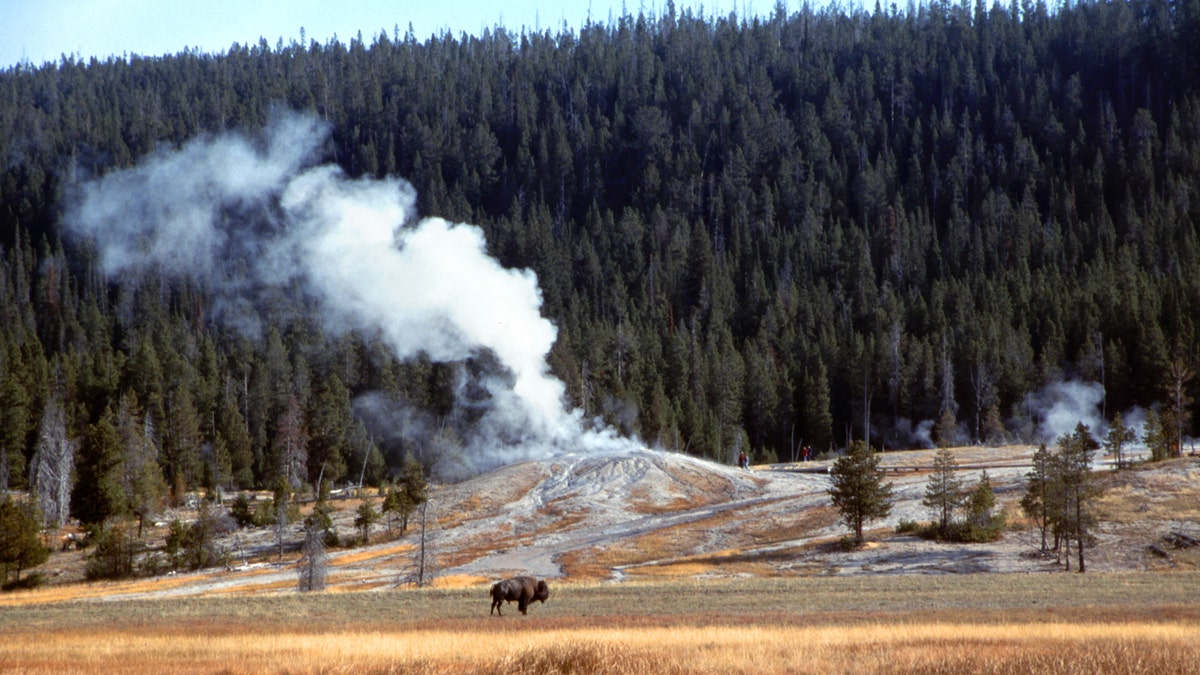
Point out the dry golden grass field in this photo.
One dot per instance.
(979, 623)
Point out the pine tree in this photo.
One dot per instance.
(232, 431)
(413, 488)
(858, 490)
(328, 423)
(20, 546)
(14, 419)
(1117, 438)
(181, 442)
(1037, 500)
(982, 524)
(944, 490)
(98, 493)
(141, 476)
(1159, 432)
(817, 422)
(1078, 491)
(365, 517)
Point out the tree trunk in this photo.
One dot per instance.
(421, 569)
(1079, 535)
(1045, 522)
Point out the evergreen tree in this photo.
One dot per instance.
(858, 491)
(1037, 502)
(944, 490)
(413, 488)
(1159, 434)
(20, 546)
(114, 553)
(365, 517)
(1117, 438)
(141, 475)
(182, 442)
(99, 493)
(817, 422)
(982, 523)
(232, 432)
(14, 419)
(1078, 491)
(329, 424)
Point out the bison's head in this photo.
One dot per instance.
(542, 592)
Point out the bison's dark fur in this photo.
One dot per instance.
(522, 589)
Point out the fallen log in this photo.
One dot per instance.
(1181, 540)
(1158, 551)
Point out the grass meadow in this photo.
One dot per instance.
(1091, 623)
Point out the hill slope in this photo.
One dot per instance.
(648, 514)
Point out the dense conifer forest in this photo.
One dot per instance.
(896, 223)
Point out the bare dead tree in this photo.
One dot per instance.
(1180, 374)
(423, 569)
(281, 523)
(52, 464)
(426, 569)
(314, 560)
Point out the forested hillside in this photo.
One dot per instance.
(750, 234)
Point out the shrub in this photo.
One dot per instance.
(845, 544)
(242, 513)
(194, 546)
(152, 565)
(958, 531)
(322, 519)
(964, 532)
(116, 548)
(264, 514)
(29, 581)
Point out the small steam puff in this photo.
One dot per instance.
(249, 220)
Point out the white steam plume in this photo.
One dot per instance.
(1063, 405)
(250, 218)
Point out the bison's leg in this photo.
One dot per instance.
(522, 604)
(498, 592)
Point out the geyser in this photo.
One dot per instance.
(249, 218)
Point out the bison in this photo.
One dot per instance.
(522, 589)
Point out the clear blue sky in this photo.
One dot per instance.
(37, 31)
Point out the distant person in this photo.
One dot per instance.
(743, 461)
